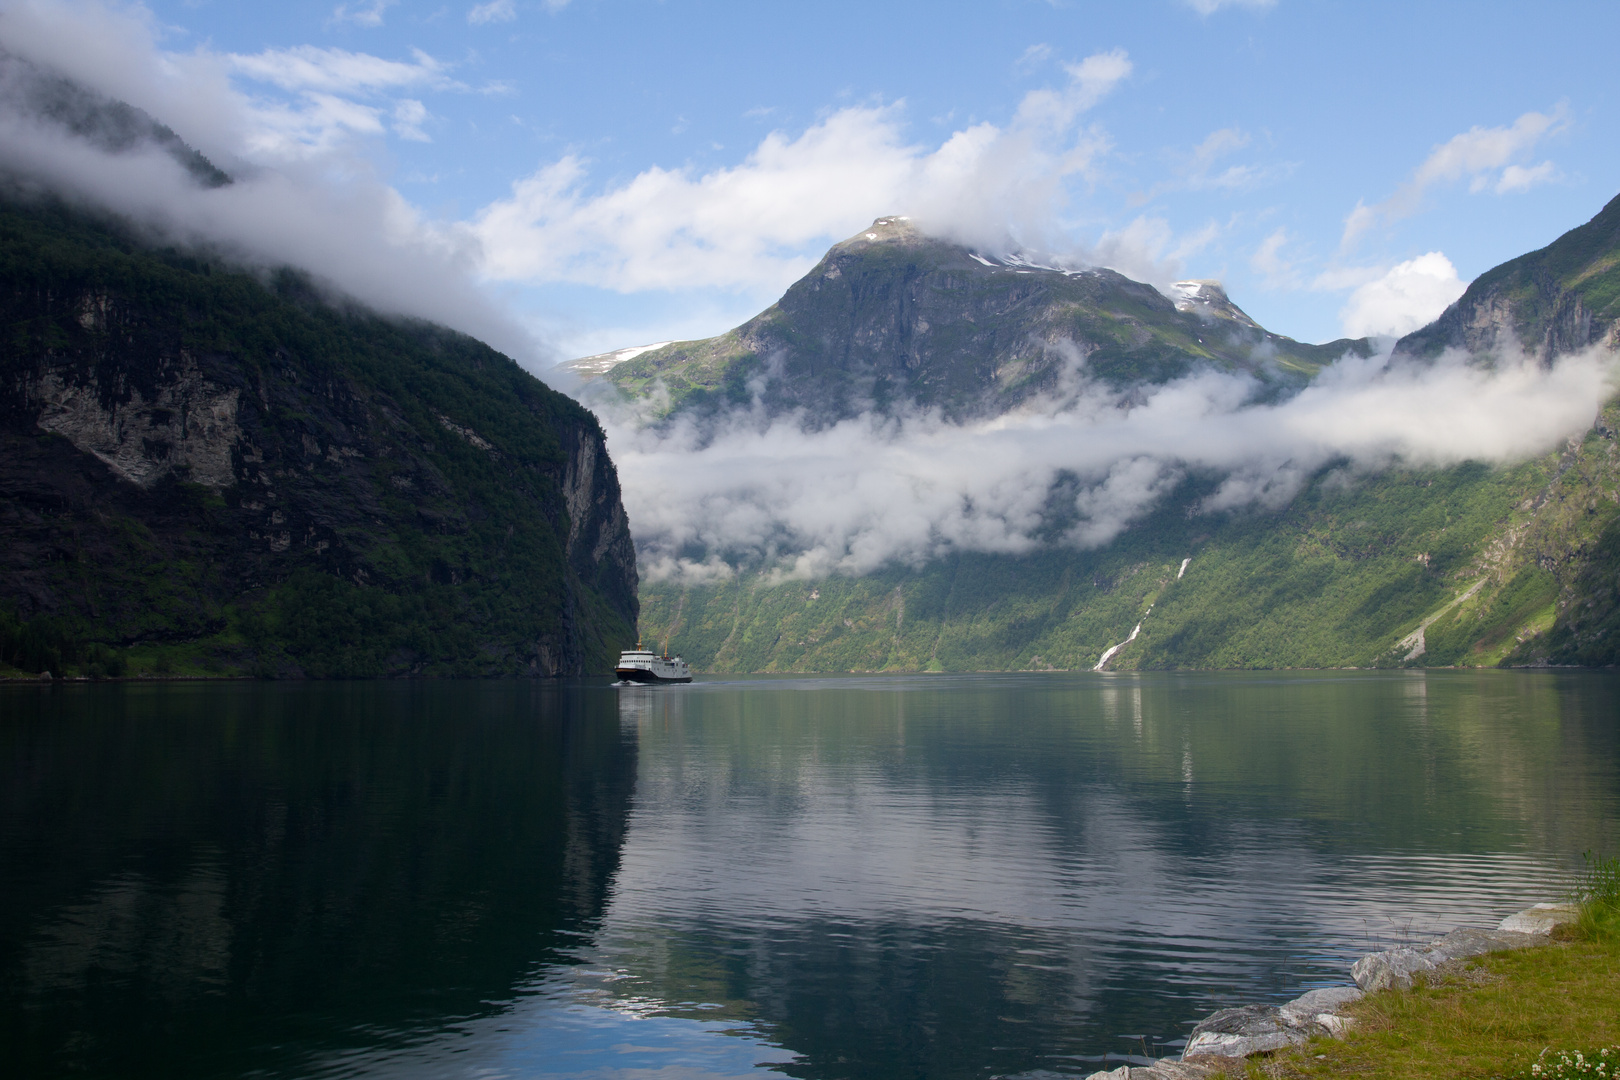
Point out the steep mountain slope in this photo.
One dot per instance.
(1468, 565)
(1557, 300)
(892, 318)
(203, 472)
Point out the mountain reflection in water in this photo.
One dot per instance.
(853, 877)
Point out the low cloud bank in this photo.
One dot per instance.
(765, 493)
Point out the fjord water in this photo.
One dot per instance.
(946, 876)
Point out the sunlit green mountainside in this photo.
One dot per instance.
(894, 318)
(203, 472)
(1463, 566)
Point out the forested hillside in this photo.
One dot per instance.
(207, 472)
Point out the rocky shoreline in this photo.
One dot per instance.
(1221, 1041)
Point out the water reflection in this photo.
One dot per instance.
(204, 880)
(940, 876)
(863, 877)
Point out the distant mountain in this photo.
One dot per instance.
(591, 367)
(891, 318)
(1468, 565)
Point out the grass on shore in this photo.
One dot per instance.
(1493, 1017)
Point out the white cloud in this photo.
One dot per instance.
(1200, 171)
(1519, 178)
(1269, 261)
(367, 14)
(1487, 157)
(1210, 7)
(1148, 249)
(326, 84)
(494, 11)
(1089, 82)
(1480, 150)
(1358, 221)
(1033, 57)
(1218, 144)
(409, 115)
(1411, 295)
(760, 224)
(874, 490)
(338, 71)
(730, 227)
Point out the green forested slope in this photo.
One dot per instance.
(1337, 578)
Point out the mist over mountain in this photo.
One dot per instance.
(911, 398)
(62, 133)
(49, 99)
(912, 407)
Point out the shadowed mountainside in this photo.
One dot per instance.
(203, 472)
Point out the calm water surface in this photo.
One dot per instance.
(941, 876)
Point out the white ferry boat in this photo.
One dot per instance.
(644, 665)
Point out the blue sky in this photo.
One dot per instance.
(624, 171)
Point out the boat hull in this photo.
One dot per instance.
(642, 675)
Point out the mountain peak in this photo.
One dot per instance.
(891, 228)
(1206, 298)
(893, 319)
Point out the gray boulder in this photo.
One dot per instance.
(1540, 918)
(1321, 1007)
(1329, 999)
(1237, 1033)
(1391, 968)
(1460, 944)
(1395, 968)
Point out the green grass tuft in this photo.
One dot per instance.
(1599, 897)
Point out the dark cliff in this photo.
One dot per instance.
(205, 472)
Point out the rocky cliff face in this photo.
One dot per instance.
(203, 470)
(892, 318)
(1560, 299)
